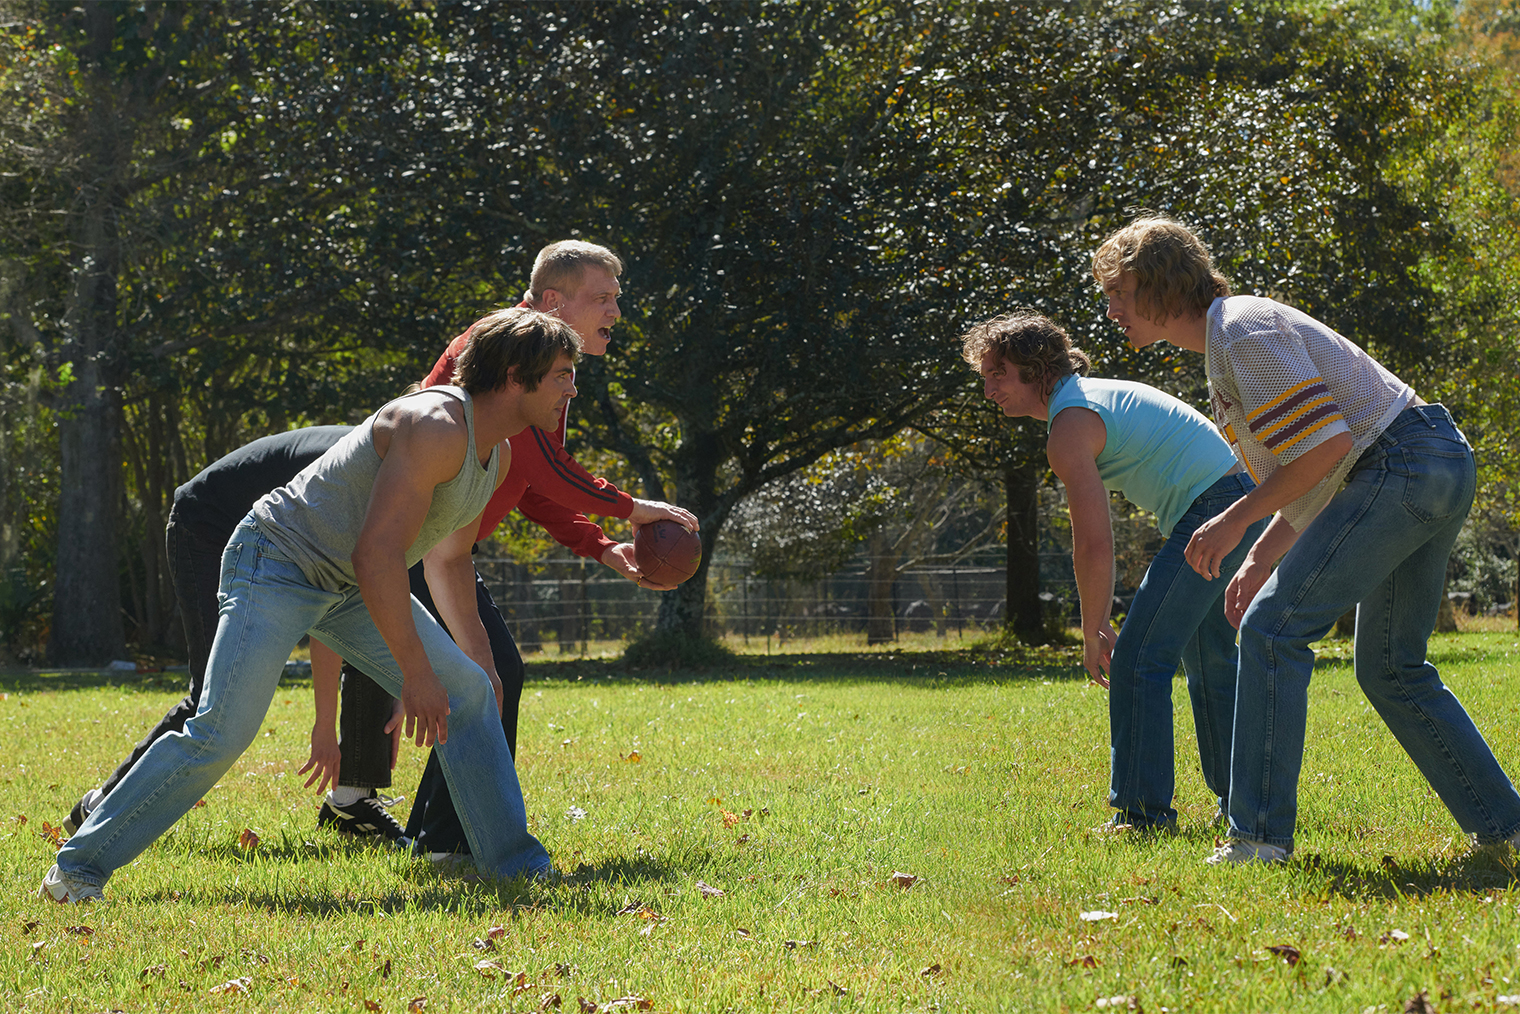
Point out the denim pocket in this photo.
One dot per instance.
(1439, 477)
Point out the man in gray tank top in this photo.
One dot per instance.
(328, 554)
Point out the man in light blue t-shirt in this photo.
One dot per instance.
(1167, 458)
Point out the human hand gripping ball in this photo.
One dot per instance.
(666, 553)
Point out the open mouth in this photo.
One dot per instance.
(605, 333)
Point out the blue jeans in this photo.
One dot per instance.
(1382, 545)
(266, 605)
(1177, 616)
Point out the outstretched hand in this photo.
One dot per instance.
(427, 708)
(1214, 540)
(324, 760)
(1098, 653)
(393, 729)
(1242, 590)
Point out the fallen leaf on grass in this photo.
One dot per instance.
(21, 820)
(496, 932)
(1419, 1004)
(198, 804)
(741, 839)
(79, 931)
(248, 840)
(1085, 961)
(930, 971)
(234, 985)
(628, 1003)
(743, 934)
(587, 1007)
(27, 927)
(1116, 1002)
(792, 945)
(154, 970)
(837, 988)
(385, 969)
(1393, 937)
(371, 1005)
(1287, 952)
(1097, 915)
(903, 880)
(633, 758)
(52, 834)
(550, 1000)
(1014, 879)
(484, 945)
(489, 968)
(709, 891)
(729, 819)
(416, 1004)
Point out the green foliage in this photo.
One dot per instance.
(813, 199)
(677, 649)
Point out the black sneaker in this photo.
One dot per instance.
(366, 818)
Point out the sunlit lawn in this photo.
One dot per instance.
(888, 831)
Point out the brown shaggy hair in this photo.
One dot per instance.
(516, 344)
(1174, 271)
(1038, 347)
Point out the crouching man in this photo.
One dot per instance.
(327, 554)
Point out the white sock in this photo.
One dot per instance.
(346, 795)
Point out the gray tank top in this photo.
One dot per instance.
(314, 520)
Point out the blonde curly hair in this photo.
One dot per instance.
(1173, 269)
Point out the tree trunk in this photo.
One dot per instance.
(1022, 483)
(87, 625)
(696, 482)
(881, 574)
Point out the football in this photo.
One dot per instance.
(666, 552)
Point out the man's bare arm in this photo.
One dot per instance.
(451, 579)
(421, 443)
(1076, 438)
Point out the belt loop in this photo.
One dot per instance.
(1420, 411)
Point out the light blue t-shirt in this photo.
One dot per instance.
(1160, 452)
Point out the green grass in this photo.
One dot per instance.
(799, 786)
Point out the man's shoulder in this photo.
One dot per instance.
(430, 422)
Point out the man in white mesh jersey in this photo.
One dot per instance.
(1307, 411)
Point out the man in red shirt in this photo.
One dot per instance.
(577, 282)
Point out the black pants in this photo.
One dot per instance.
(195, 568)
(433, 824)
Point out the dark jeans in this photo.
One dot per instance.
(433, 824)
(195, 567)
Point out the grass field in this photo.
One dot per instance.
(893, 831)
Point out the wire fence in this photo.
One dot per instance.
(570, 602)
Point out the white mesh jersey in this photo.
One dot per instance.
(1281, 383)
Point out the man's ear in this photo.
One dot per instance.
(551, 300)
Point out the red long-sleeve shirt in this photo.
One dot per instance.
(546, 483)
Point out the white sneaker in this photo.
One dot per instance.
(55, 887)
(1238, 851)
(82, 810)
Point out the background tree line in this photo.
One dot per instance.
(223, 220)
